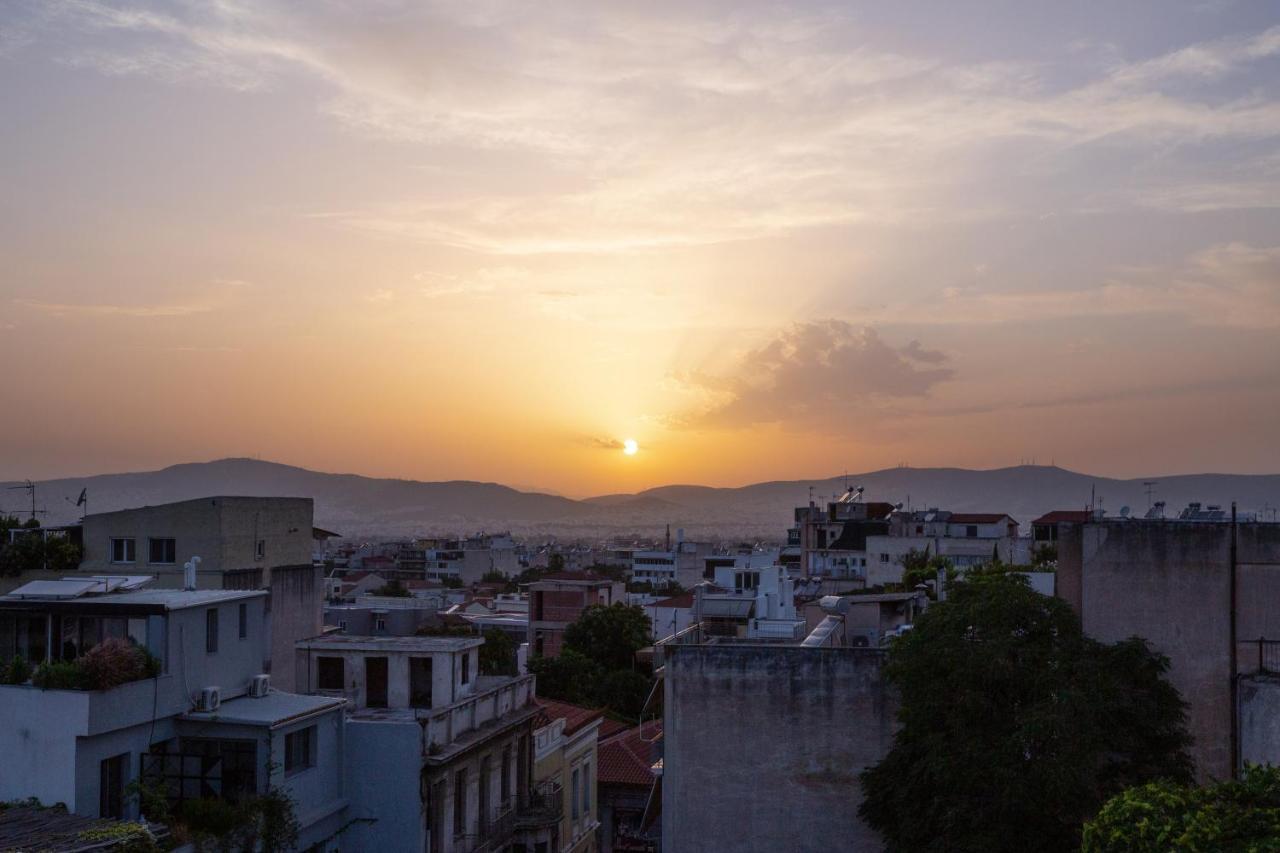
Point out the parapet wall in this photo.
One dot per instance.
(762, 747)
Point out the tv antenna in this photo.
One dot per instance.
(1150, 486)
(30, 488)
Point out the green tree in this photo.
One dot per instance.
(498, 654)
(569, 677)
(1015, 726)
(919, 567)
(610, 635)
(392, 589)
(1228, 817)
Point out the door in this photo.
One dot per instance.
(375, 682)
(111, 786)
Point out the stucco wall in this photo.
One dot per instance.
(762, 746)
(1168, 582)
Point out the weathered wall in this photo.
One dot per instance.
(1260, 720)
(1168, 582)
(762, 746)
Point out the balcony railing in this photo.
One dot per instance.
(543, 806)
(447, 725)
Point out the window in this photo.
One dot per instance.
(466, 667)
(244, 621)
(331, 674)
(971, 531)
(211, 630)
(577, 794)
(420, 682)
(506, 774)
(460, 802)
(260, 549)
(163, 551)
(342, 625)
(586, 789)
(380, 624)
(884, 558)
(299, 750)
(123, 550)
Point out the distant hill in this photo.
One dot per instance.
(358, 506)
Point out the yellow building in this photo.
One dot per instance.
(564, 772)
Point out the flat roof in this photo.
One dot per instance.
(273, 710)
(150, 599)
(391, 644)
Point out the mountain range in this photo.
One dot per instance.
(360, 506)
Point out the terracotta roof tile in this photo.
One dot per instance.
(627, 758)
(574, 716)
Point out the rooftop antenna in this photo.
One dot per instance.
(1150, 486)
(30, 487)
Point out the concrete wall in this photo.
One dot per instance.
(1260, 720)
(319, 790)
(763, 746)
(446, 674)
(384, 760)
(1168, 582)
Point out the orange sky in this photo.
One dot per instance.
(765, 243)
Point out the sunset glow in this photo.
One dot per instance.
(468, 241)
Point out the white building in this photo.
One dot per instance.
(966, 539)
(205, 724)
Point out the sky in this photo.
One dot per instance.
(494, 240)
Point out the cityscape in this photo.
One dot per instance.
(688, 427)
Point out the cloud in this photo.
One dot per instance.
(686, 124)
(62, 309)
(1233, 285)
(817, 375)
(382, 294)
(604, 443)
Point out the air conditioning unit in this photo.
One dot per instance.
(260, 686)
(210, 699)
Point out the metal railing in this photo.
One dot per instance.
(542, 806)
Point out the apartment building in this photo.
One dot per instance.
(564, 772)
(439, 757)
(557, 600)
(241, 542)
(201, 722)
(832, 541)
(966, 539)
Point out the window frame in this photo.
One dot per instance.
(129, 551)
(211, 629)
(324, 662)
(306, 738)
(152, 541)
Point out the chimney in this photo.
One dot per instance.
(189, 573)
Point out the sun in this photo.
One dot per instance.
(630, 447)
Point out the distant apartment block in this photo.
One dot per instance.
(557, 600)
(964, 538)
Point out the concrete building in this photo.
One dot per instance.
(869, 619)
(201, 727)
(564, 772)
(832, 541)
(439, 757)
(557, 600)
(242, 543)
(1170, 582)
(966, 539)
(762, 744)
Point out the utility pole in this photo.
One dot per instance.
(1235, 678)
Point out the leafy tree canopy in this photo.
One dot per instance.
(1015, 726)
(1228, 817)
(609, 635)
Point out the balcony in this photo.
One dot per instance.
(544, 806)
(449, 730)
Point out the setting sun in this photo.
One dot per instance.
(630, 447)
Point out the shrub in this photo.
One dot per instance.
(17, 672)
(129, 837)
(61, 675)
(114, 662)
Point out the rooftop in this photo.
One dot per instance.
(1058, 516)
(273, 710)
(977, 517)
(390, 644)
(627, 758)
(574, 716)
(54, 830)
(150, 599)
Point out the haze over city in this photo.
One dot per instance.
(497, 241)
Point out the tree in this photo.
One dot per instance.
(569, 677)
(1227, 817)
(609, 635)
(918, 567)
(498, 654)
(1016, 726)
(392, 589)
(35, 551)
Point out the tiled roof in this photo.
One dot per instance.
(977, 517)
(610, 727)
(574, 576)
(627, 758)
(684, 599)
(1079, 516)
(574, 716)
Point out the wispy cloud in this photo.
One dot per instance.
(62, 309)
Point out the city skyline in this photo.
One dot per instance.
(497, 242)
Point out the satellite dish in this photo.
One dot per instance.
(1124, 512)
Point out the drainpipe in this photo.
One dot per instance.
(1235, 680)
